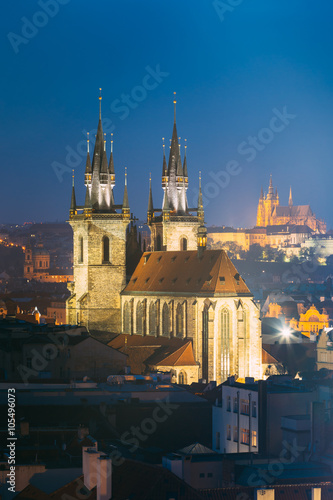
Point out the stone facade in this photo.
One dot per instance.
(98, 281)
(177, 233)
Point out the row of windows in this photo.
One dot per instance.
(244, 406)
(182, 243)
(244, 436)
(154, 327)
(105, 250)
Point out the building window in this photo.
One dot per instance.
(106, 250)
(225, 343)
(139, 318)
(254, 439)
(179, 321)
(235, 434)
(218, 439)
(28, 270)
(245, 407)
(228, 403)
(182, 378)
(183, 244)
(40, 263)
(229, 432)
(245, 436)
(153, 318)
(205, 344)
(254, 409)
(202, 474)
(235, 405)
(81, 250)
(158, 243)
(210, 474)
(127, 318)
(165, 320)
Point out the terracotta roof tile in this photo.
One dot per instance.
(184, 272)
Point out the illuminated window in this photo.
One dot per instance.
(254, 439)
(127, 318)
(245, 436)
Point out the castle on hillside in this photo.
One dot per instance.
(179, 290)
(271, 213)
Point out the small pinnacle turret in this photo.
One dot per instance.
(290, 203)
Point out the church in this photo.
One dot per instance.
(179, 290)
(271, 213)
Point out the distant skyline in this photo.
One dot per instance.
(254, 97)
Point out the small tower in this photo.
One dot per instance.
(174, 226)
(290, 203)
(267, 205)
(99, 237)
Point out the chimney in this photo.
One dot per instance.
(104, 478)
(89, 466)
(315, 493)
(269, 494)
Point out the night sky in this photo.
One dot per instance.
(235, 73)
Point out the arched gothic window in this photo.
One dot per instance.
(179, 321)
(225, 344)
(81, 249)
(152, 318)
(158, 243)
(183, 244)
(205, 344)
(182, 378)
(165, 320)
(127, 318)
(106, 249)
(139, 318)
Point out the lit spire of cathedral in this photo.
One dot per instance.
(73, 199)
(290, 198)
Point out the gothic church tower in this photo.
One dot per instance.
(174, 227)
(99, 238)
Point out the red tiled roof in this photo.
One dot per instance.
(184, 272)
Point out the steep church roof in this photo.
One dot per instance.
(184, 272)
(293, 211)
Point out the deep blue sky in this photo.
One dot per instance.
(229, 76)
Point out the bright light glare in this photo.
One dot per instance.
(285, 331)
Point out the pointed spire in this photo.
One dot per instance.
(164, 168)
(290, 198)
(200, 203)
(185, 162)
(111, 164)
(73, 198)
(125, 199)
(261, 194)
(87, 201)
(174, 107)
(100, 104)
(88, 170)
(150, 199)
(270, 194)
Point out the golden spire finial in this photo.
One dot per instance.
(111, 142)
(87, 142)
(100, 103)
(174, 107)
(200, 179)
(104, 141)
(73, 177)
(125, 176)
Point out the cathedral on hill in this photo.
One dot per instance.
(188, 306)
(271, 213)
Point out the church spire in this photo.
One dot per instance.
(164, 168)
(72, 210)
(261, 194)
(111, 163)
(270, 194)
(290, 198)
(125, 207)
(88, 170)
(150, 211)
(201, 214)
(185, 163)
